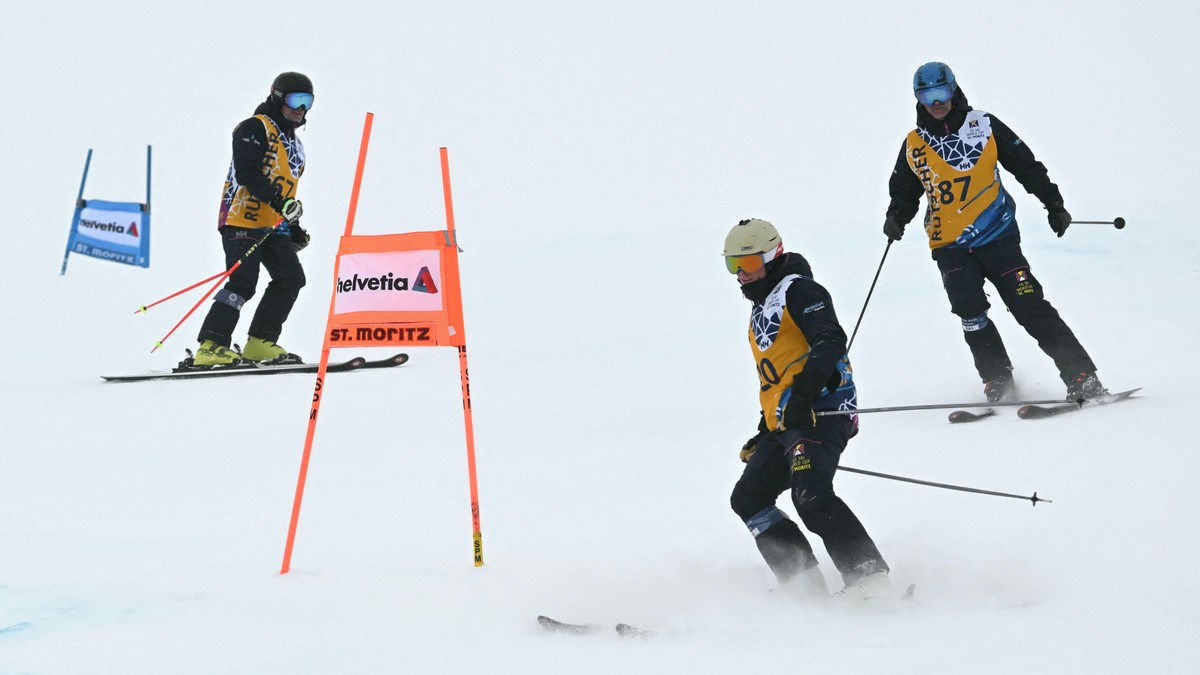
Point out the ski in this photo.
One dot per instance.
(964, 416)
(847, 594)
(623, 629)
(187, 372)
(397, 360)
(556, 626)
(627, 631)
(1037, 412)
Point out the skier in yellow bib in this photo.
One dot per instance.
(800, 351)
(260, 194)
(953, 158)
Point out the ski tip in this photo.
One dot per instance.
(1029, 412)
(627, 631)
(962, 416)
(556, 626)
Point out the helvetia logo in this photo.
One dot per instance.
(86, 224)
(388, 282)
(425, 282)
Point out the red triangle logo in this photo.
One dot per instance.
(132, 231)
(424, 283)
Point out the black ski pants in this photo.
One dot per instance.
(1003, 264)
(805, 464)
(279, 258)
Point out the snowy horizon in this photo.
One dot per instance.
(599, 154)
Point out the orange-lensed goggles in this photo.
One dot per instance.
(750, 263)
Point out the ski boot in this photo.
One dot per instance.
(1085, 386)
(871, 587)
(265, 351)
(211, 354)
(998, 388)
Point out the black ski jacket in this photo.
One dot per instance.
(249, 151)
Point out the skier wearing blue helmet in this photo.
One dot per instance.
(953, 158)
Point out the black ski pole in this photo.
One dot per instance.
(1117, 222)
(869, 292)
(939, 406)
(1034, 499)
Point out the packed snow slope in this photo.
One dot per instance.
(599, 155)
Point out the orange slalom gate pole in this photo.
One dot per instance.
(322, 369)
(468, 422)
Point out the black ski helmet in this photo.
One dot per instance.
(286, 83)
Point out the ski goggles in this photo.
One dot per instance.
(751, 263)
(931, 96)
(298, 99)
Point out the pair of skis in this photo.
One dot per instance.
(187, 372)
(1036, 410)
(623, 629)
(1028, 410)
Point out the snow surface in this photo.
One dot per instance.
(600, 152)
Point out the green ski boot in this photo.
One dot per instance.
(212, 354)
(258, 349)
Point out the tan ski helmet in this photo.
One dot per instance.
(750, 236)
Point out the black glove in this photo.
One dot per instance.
(751, 445)
(290, 209)
(1059, 219)
(798, 414)
(749, 448)
(893, 228)
(298, 236)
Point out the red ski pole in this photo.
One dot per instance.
(220, 279)
(179, 292)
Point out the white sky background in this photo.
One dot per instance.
(599, 155)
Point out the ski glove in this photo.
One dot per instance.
(1059, 219)
(290, 209)
(893, 228)
(798, 414)
(299, 237)
(750, 447)
(752, 444)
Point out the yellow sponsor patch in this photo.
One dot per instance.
(801, 461)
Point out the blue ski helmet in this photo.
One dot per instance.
(934, 82)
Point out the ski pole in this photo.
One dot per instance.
(1034, 499)
(869, 292)
(1117, 222)
(220, 279)
(939, 406)
(143, 308)
(223, 276)
(226, 273)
